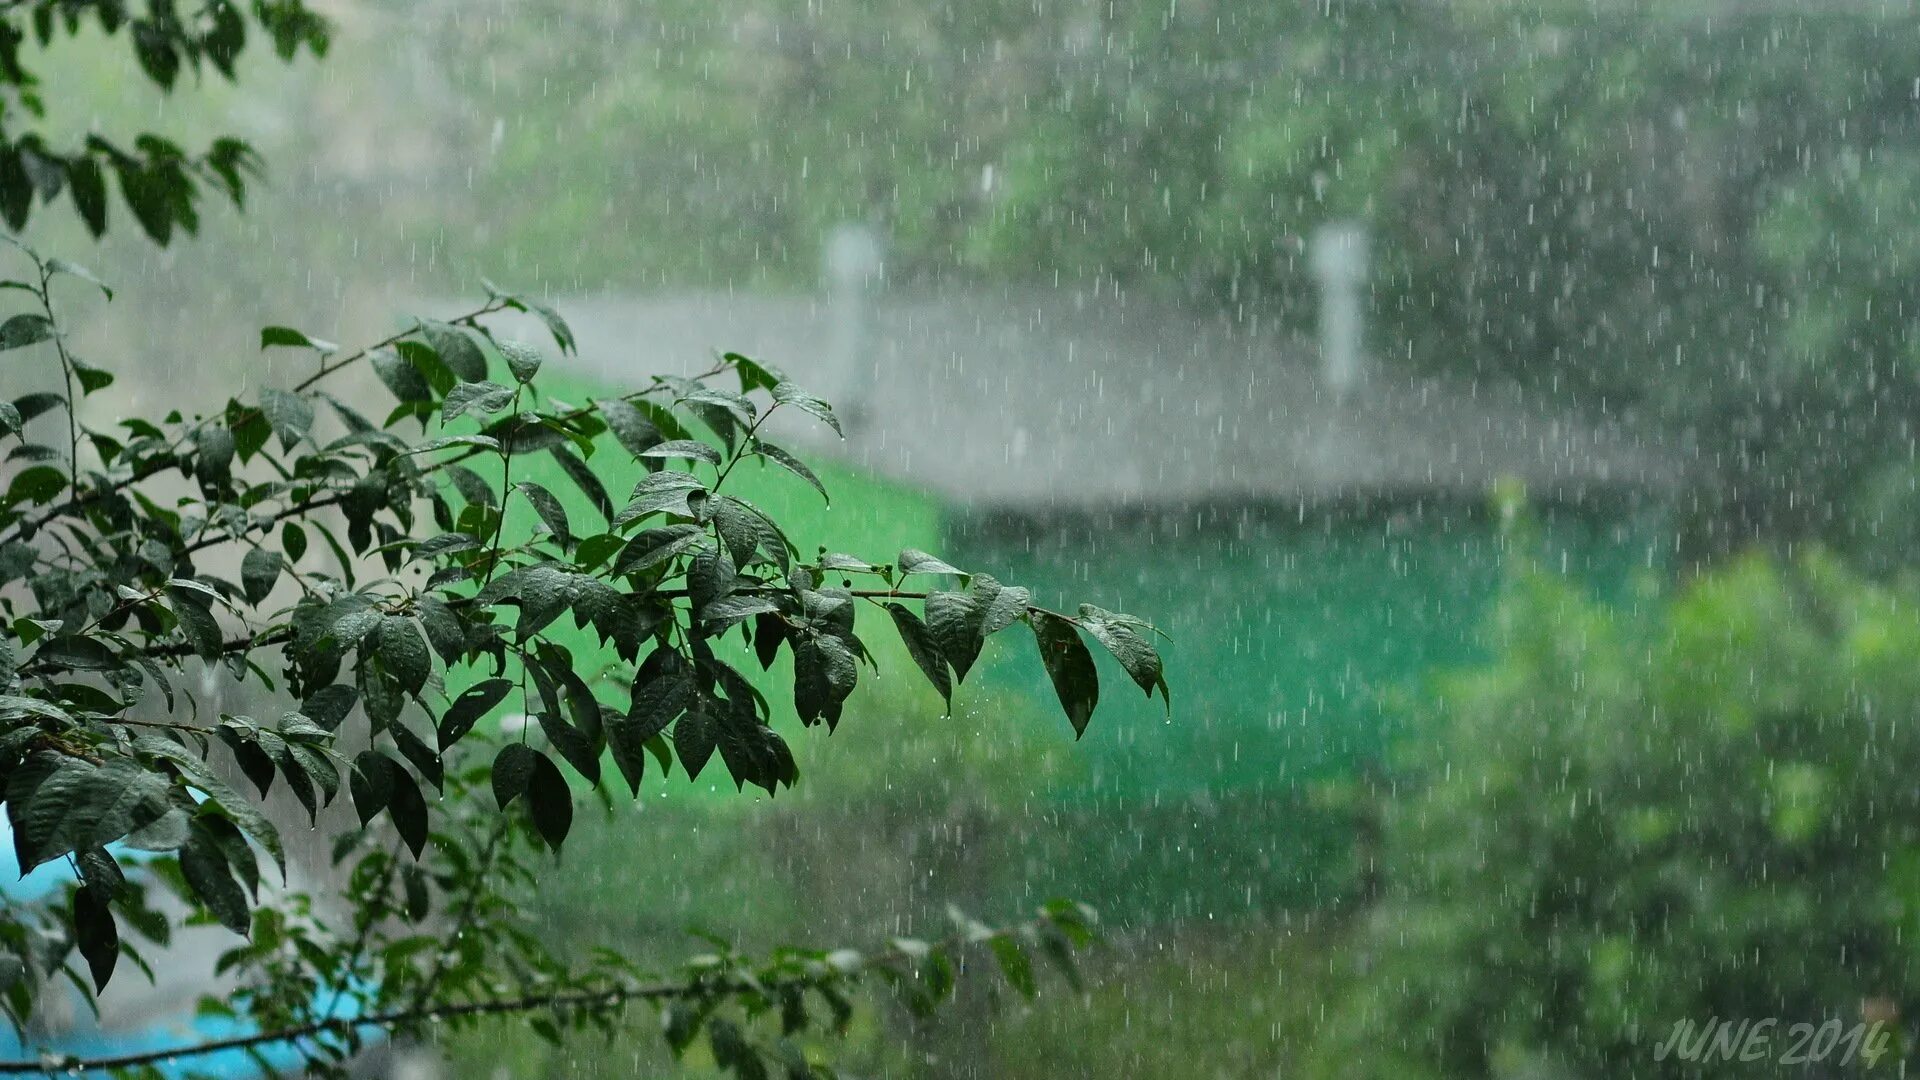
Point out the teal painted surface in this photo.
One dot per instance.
(1295, 651)
(1291, 647)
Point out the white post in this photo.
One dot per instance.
(1340, 263)
(852, 262)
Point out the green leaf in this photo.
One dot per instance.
(197, 625)
(926, 654)
(319, 770)
(834, 560)
(371, 784)
(769, 632)
(733, 1052)
(457, 350)
(408, 810)
(583, 478)
(689, 449)
(473, 489)
(62, 266)
(662, 690)
(76, 654)
(694, 738)
(32, 405)
(787, 393)
(549, 801)
(428, 363)
(487, 397)
(754, 375)
(667, 491)
(445, 632)
(512, 768)
(403, 652)
(25, 329)
(236, 807)
(581, 704)
(291, 415)
(289, 337)
(1135, 653)
(680, 1025)
(824, 674)
(552, 514)
(41, 797)
(39, 484)
(88, 185)
(913, 561)
(419, 898)
(213, 449)
(1013, 964)
(790, 463)
(473, 703)
(704, 399)
(1069, 665)
(400, 377)
(484, 442)
(91, 378)
(544, 593)
(633, 430)
(651, 547)
(1001, 605)
(328, 706)
(95, 934)
(597, 549)
(956, 622)
(662, 418)
(728, 610)
(557, 326)
(259, 570)
(1058, 950)
(524, 362)
(741, 529)
(203, 863)
(424, 759)
(573, 745)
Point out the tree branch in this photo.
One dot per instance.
(488, 308)
(155, 466)
(606, 998)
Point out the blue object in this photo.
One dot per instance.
(86, 1038)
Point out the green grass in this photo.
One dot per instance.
(1250, 997)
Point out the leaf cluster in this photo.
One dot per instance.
(398, 583)
(159, 181)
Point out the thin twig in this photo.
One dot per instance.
(389, 341)
(464, 920)
(605, 998)
(66, 371)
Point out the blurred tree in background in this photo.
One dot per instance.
(1704, 810)
(1687, 214)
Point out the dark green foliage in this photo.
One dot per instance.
(1070, 667)
(160, 182)
(406, 638)
(409, 637)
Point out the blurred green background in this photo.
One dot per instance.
(1444, 791)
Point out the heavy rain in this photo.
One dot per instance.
(1178, 538)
